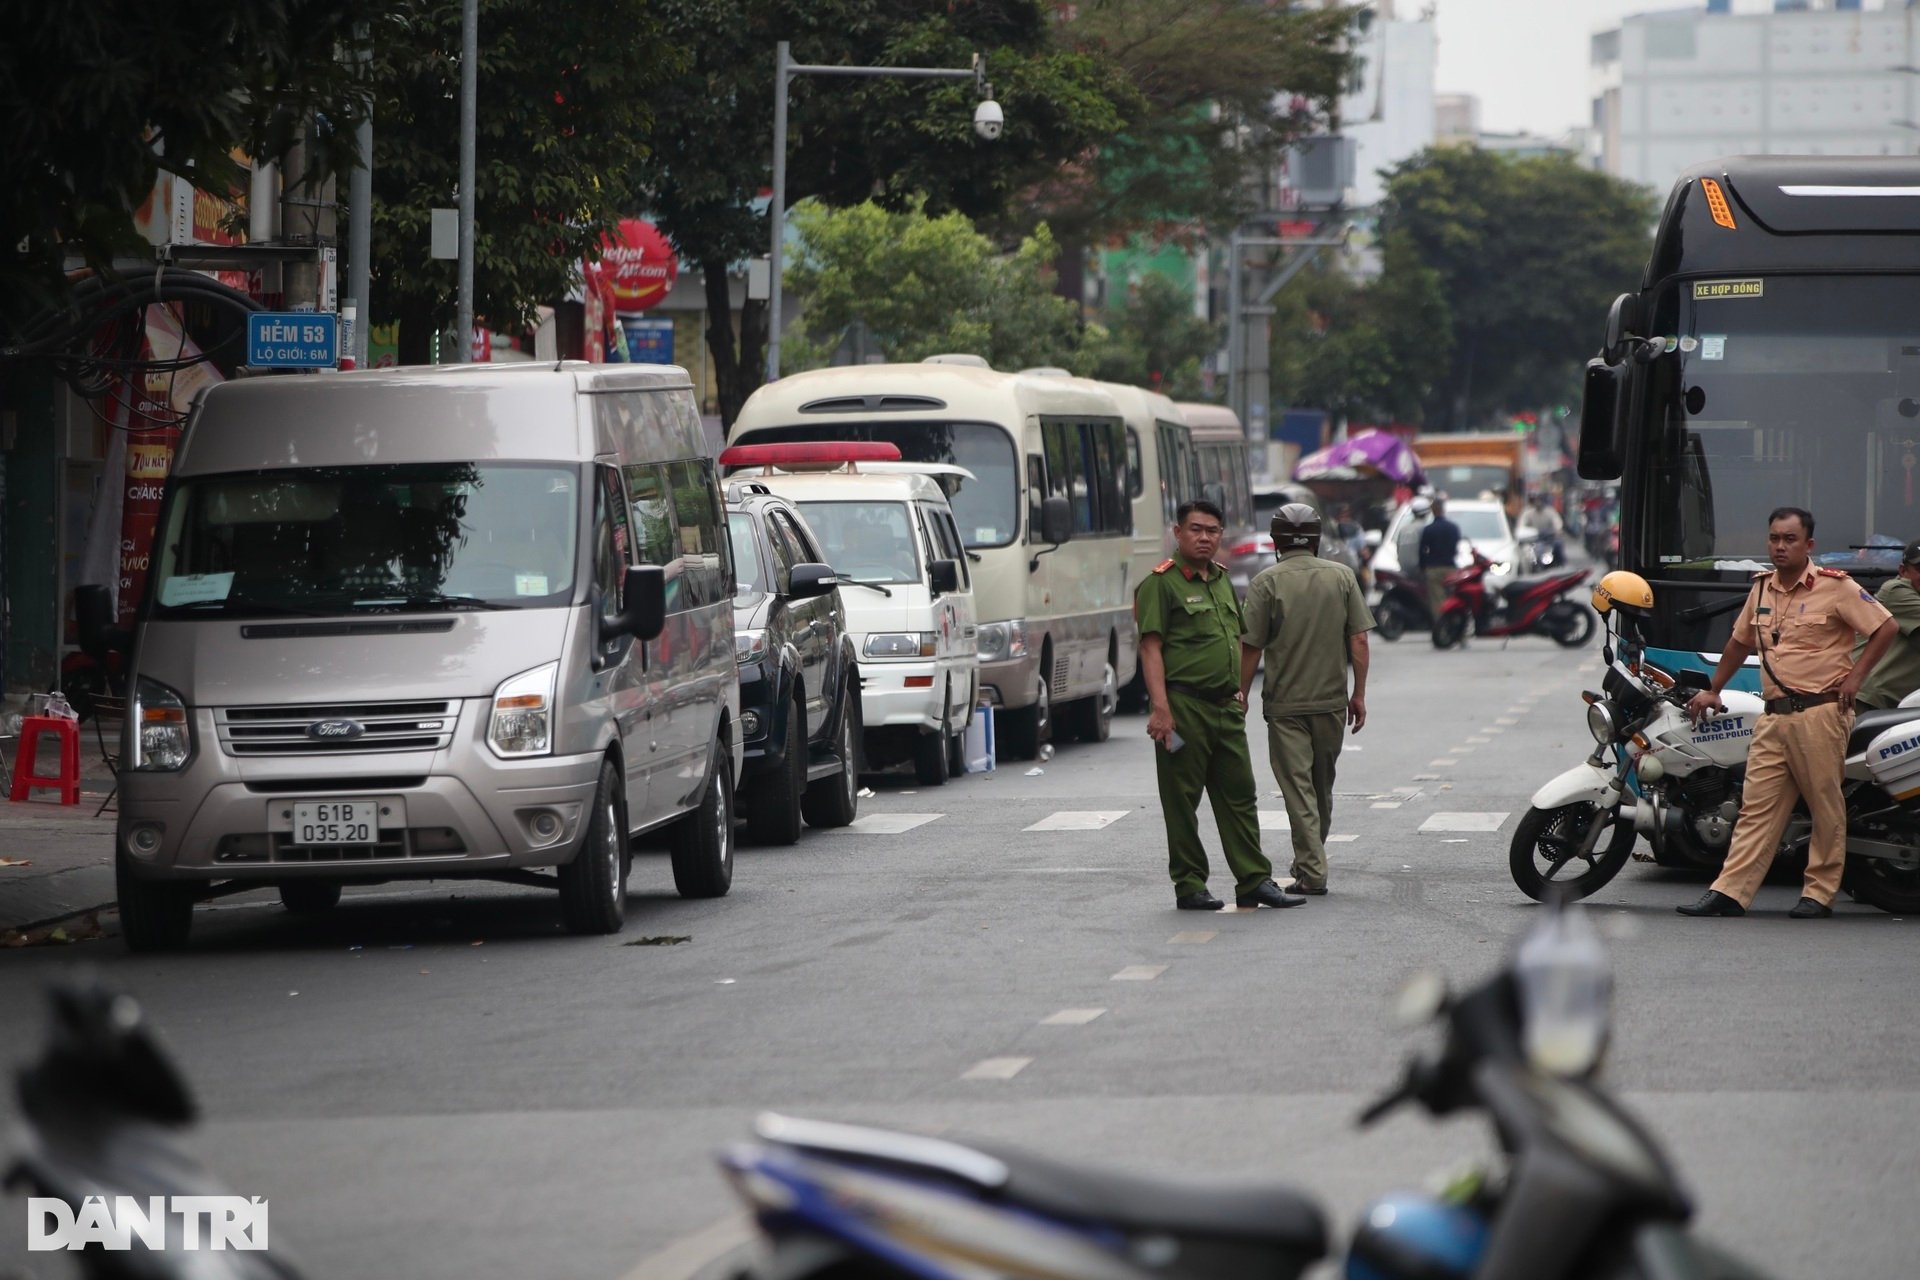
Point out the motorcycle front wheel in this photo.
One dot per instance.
(1543, 857)
(1568, 624)
(1877, 884)
(1449, 629)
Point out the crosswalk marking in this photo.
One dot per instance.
(1443, 761)
(1341, 839)
(1479, 741)
(1509, 721)
(1493, 728)
(996, 1069)
(1071, 1017)
(1464, 821)
(892, 824)
(1386, 804)
(1193, 936)
(1078, 820)
(1462, 750)
(1139, 973)
(1274, 820)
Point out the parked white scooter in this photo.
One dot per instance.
(1654, 772)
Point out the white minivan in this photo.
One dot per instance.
(887, 530)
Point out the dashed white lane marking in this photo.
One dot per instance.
(996, 1069)
(1426, 777)
(1139, 973)
(691, 1254)
(1193, 936)
(1479, 741)
(1078, 820)
(1464, 821)
(1518, 711)
(892, 824)
(1493, 728)
(1462, 750)
(1386, 804)
(1443, 761)
(1071, 1017)
(1274, 820)
(1341, 839)
(1509, 721)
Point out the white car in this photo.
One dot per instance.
(907, 586)
(1483, 527)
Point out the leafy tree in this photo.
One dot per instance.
(1527, 253)
(851, 140)
(100, 96)
(562, 129)
(1153, 339)
(921, 285)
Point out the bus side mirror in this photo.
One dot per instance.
(1603, 397)
(643, 602)
(1623, 317)
(1056, 521)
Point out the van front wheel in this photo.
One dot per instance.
(701, 844)
(155, 915)
(593, 887)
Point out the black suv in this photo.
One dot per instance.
(799, 682)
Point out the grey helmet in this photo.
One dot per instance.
(1296, 527)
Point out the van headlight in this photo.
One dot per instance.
(522, 720)
(162, 741)
(999, 641)
(894, 644)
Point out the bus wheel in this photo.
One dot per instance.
(1028, 727)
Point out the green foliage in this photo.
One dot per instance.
(562, 131)
(99, 96)
(1153, 339)
(1528, 254)
(921, 285)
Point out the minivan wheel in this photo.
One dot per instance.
(931, 752)
(835, 801)
(1093, 717)
(1025, 729)
(773, 806)
(155, 915)
(701, 844)
(593, 887)
(309, 897)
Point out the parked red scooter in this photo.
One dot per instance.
(1525, 606)
(1402, 605)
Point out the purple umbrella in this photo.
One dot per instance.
(1365, 456)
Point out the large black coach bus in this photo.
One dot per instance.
(1770, 358)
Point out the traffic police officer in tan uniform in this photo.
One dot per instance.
(1189, 622)
(1802, 622)
(1309, 619)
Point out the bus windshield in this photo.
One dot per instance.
(1789, 391)
(987, 508)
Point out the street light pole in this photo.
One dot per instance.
(784, 69)
(469, 110)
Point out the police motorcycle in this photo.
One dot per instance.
(1584, 1191)
(1656, 773)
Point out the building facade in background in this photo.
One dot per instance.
(1801, 77)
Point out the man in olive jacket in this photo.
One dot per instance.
(1898, 674)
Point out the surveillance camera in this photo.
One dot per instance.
(988, 119)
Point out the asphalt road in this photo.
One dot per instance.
(437, 1082)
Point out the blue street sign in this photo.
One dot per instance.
(293, 340)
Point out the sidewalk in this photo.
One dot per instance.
(56, 861)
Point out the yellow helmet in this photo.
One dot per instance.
(1623, 590)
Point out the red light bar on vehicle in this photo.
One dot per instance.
(814, 453)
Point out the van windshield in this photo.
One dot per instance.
(865, 541)
(411, 537)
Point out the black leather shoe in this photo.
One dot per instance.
(1267, 895)
(1317, 892)
(1713, 903)
(1809, 909)
(1201, 901)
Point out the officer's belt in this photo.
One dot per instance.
(1799, 702)
(1205, 695)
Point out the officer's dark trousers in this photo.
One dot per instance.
(1215, 760)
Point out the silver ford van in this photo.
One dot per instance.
(458, 622)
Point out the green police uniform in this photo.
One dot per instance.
(1198, 622)
(1899, 672)
(1300, 612)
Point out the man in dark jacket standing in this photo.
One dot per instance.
(1439, 548)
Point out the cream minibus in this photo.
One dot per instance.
(1047, 523)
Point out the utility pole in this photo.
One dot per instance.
(360, 220)
(469, 111)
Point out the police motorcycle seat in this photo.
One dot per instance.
(1868, 725)
(1216, 1227)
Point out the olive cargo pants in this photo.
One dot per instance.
(1799, 754)
(1303, 751)
(1214, 760)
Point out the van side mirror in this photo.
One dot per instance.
(643, 602)
(943, 576)
(807, 580)
(1056, 521)
(1603, 399)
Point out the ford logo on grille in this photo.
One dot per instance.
(344, 729)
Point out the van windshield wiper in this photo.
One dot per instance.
(871, 586)
(240, 604)
(430, 600)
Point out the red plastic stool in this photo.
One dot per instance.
(25, 779)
